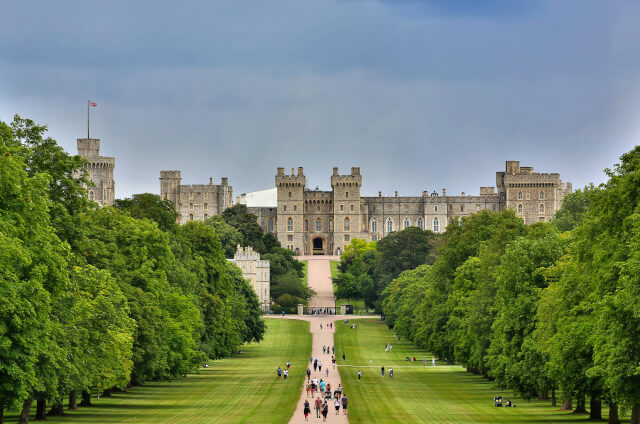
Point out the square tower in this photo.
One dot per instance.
(346, 210)
(290, 214)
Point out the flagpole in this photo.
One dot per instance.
(88, 119)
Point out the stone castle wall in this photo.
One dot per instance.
(99, 171)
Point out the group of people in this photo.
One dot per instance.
(321, 405)
(322, 311)
(283, 372)
(329, 325)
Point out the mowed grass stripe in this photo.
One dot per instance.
(242, 389)
(418, 394)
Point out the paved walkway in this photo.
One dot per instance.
(319, 279)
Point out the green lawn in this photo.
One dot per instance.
(242, 389)
(418, 394)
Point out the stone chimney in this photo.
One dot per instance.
(444, 192)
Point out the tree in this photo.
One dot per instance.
(150, 206)
(404, 250)
(229, 236)
(574, 206)
(238, 216)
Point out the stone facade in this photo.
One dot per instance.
(324, 222)
(195, 202)
(257, 271)
(99, 171)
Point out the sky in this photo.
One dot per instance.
(420, 94)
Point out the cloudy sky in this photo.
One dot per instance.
(422, 95)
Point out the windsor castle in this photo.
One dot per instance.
(324, 222)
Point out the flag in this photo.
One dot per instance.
(92, 104)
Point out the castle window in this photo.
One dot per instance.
(270, 225)
(541, 207)
(406, 223)
(519, 207)
(289, 195)
(284, 208)
(519, 195)
(461, 208)
(374, 237)
(289, 237)
(435, 208)
(206, 216)
(190, 205)
(389, 225)
(330, 208)
(318, 208)
(341, 208)
(542, 195)
(420, 224)
(374, 226)
(306, 225)
(346, 237)
(91, 195)
(346, 194)
(436, 225)
(347, 224)
(351, 208)
(318, 224)
(289, 224)
(373, 208)
(190, 217)
(295, 208)
(205, 206)
(541, 219)
(330, 225)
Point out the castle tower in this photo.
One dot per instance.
(170, 182)
(99, 171)
(346, 201)
(290, 214)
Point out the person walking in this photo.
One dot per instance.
(327, 372)
(315, 365)
(324, 348)
(344, 356)
(318, 405)
(325, 411)
(345, 402)
(390, 372)
(314, 387)
(308, 374)
(333, 350)
(306, 410)
(323, 385)
(286, 374)
(320, 366)
(433, 361)
(359, 375)
(308, 389)
(382, 370)
(339, 390)
(288, 364)
(336, 403)
(279, 371)
(320, 326)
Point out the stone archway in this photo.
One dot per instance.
(318, 246)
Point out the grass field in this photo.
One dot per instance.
(242, 389)
(305, 270)
(419, 394)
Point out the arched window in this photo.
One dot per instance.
(289, 224)
(206, 216)
(435, 208)
(541, 195)
(519, 195)
(271, 225)
(519, 207)
(541, 207)
(330, 225)
(436, 225)
(306, 225)
(374, 226)
(190, 205)
(420, 224)
(406, 223)
(205, 206)
(347, 226)
(190, 217)
(389, 225)
(91, 195)
(318, 224)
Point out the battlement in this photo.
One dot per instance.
(353, 179)
(290, 180)
(170, 175)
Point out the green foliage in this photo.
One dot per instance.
(150, 206)
(238, 216)
(229, 236)
(574, 206)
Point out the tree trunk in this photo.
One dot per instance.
(86, 398)
(635, 414)
(1, 415)
(613, 414)
(41, 408)
(57, 409)
(567, 404)
(544, 395)
(581, 407)
(553, 397)
(26, 410)
(73, 400)
(595, 408)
